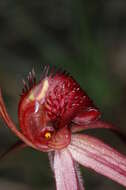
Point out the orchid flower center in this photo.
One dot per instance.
(48, 135)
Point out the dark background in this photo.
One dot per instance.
(88, 39)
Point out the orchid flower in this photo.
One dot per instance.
(52, 113)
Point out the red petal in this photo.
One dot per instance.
(95, 125)
(94, 154)
(10, 124)
(65, 172)
(99, 125)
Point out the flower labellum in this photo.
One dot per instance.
(50, 114)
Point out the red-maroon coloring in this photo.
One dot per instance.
(50, 113)
(47, 110)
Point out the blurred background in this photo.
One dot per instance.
(88, 39)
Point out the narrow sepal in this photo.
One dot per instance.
(94, 125)
(94, 154)
(99, 125)
(5, 116)
(65, 172)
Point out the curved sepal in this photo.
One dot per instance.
(5, 116)
(94, 154)
(99, 125)
(65, 172)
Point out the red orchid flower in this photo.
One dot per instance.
(50, 113)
